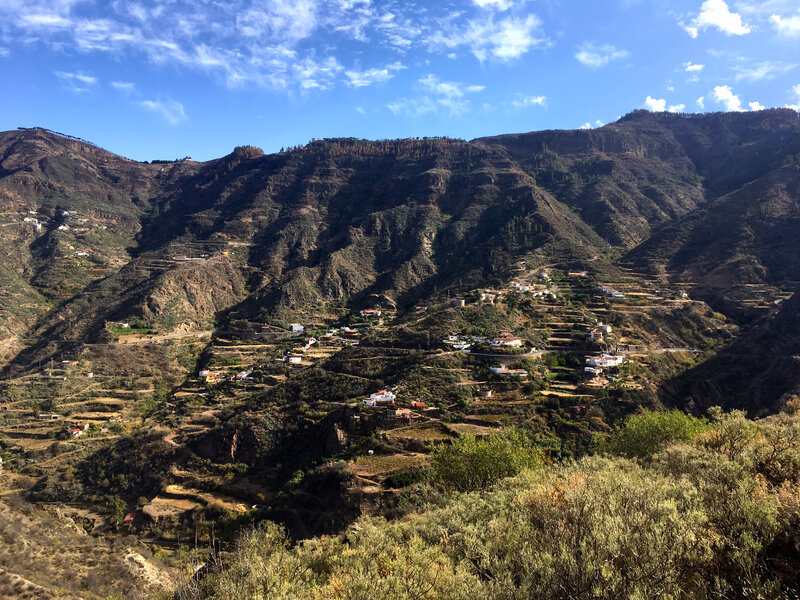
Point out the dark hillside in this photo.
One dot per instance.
(758, 372)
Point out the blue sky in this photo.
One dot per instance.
(194, 78)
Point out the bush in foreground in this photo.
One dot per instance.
(717, 516)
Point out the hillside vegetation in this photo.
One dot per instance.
(714, 515)
(420, 368)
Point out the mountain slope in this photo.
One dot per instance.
(758, 372)
(705, 200)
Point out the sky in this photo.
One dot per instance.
(174, 78)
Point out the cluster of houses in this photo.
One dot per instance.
(217, 376)
(211, 376)
(528, 288)
(464, 342)
(609, 291)
(70, 222)
(387, 399)
(600, 330)
(381, 398)
(34, 220)
(370, 313)
(506, 342)
(596, 364)
(461, 342)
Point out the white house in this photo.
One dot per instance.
(522, 286)
(508, 342)
(297, 328)
(382, 396)
(596, 335)
(504, 372)
(604, 361)
(604, 328)
(371, 313)
(518, 373)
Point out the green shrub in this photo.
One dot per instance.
(472, 463)
(401, 480)
(642, 435)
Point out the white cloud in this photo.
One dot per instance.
(33, 21)
(586, 125)
(655, 105)
(762, 71)
(360, 110)
(123, 86)
(794, 94)
(724, 95)
(311, 74)
(447, 88)
(282, 45)
(76, 82)
(787, 26)
(449, 97)
(528, 101)
(494, 4)
(701, 102)
(170, 110)
(598, 123)
(597, 56)
(715, 13)
(374, 75)
(502, 40)
(676, 108)
(690, 67)
(412, 107)
(4, 51)
(288, 20)
(756, 105)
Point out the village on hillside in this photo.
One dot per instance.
(560, 348)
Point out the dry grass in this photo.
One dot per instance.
(429, 432)
(44, 554)
(386, 464)
(464, 428)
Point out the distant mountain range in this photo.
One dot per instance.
(89, 239)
